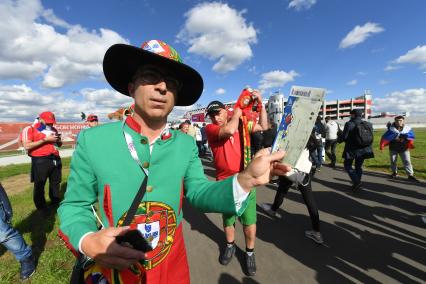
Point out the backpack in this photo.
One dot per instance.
(363, 134)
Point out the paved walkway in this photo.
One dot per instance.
(24, 159)
(373, 236)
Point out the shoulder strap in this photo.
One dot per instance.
(135, 204)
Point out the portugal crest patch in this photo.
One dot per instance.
(157, 223)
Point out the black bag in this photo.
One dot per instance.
(363, 133)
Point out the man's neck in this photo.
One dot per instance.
(149, 128)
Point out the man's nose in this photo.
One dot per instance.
(161, 87)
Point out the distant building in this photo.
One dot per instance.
(340, 109)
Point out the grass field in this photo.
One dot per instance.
(54, 260)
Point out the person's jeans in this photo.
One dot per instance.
(12, 239)
(330, 150)
(354, 174)
(316, 156)
(405, 157)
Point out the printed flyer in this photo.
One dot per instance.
(297, 122)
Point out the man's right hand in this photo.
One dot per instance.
(52, 138)
(102, 247)
(237, 112)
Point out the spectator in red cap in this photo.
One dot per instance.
(92, 120)
(42, 141)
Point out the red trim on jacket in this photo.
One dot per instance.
(67, 243)
(108, 205)
(182, 192)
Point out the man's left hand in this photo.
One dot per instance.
(261, 168)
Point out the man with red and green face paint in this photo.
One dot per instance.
(111, 161)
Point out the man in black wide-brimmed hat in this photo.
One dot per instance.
(111, 162)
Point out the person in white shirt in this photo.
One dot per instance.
(331, 133)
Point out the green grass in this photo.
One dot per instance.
(55, 262)
(13, 170)
(381, 160)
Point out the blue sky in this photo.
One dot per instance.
(51, 51)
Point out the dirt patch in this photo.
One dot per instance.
(16, 184)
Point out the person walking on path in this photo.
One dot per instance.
(302, 180)
(316, 155)
(42, 142)
(358, 137)
(141, 157)
(224, 138)
(331, 131)
(400, 138)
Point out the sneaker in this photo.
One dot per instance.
(393, 175)
(250, 265)
(412, 178)
(227, 255)
(27, 267)
(268, 210)
(356, 186)
(315, 236)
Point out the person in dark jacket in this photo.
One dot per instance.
(354, 152)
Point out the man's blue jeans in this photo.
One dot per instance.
(11, 238)
(354, 174)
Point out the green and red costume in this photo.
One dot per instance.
(103, 170)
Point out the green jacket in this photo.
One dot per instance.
(103, 164)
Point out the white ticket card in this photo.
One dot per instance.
(297, 122)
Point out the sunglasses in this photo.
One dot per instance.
(152, 77)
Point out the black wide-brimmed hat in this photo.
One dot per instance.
(121, 62)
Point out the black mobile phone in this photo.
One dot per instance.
(135, 239)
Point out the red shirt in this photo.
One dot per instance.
(36, 133)
(226, 152)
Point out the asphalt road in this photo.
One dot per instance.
(373, 236)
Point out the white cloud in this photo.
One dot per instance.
(219, 33)
(414, 56)
(299, 5)
(276, 79)
(352, 82)
(383, 82)
(411, 100)
(361, 73)
(392, 68)
(38, 49)
(220, 91)
(359, 34)
(22, 103)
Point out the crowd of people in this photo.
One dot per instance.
(122, 166)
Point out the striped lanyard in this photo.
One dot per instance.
(132, 150)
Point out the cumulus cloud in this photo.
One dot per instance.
(414, 56)
(352, 82)
(412, 100)
(29, 39)
(220, 91)
(22, 103)
(276, 79)
(359, 34)
(392, 68)
(219, 33)
(383, 82)
(299, 5)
